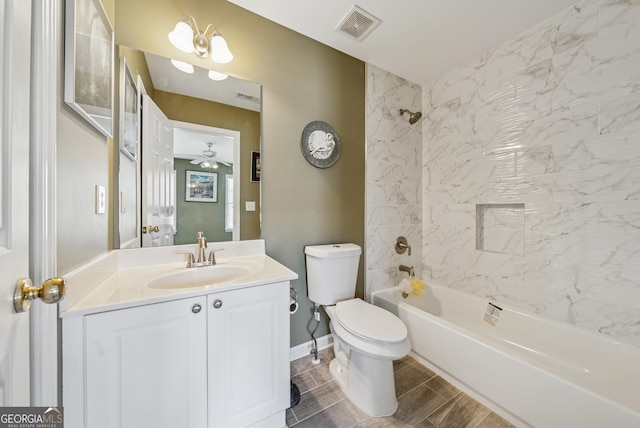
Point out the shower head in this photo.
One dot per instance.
(413, 117)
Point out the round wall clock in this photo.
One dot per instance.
(320, 144)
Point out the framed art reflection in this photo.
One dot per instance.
(201, 186)
(128, 112)
(88, 74)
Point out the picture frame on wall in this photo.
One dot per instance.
(201, 186)
(88, 71)
(129, 112)
(255, 166)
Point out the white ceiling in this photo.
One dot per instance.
(418, 39)
(167, 78)
(190, 143)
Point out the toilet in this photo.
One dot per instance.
(366, 338)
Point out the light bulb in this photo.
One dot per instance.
(216, 75)
(182, 66)
(220, 52)
(182, 37)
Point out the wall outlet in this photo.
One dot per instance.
(101, 199)
(249, 205)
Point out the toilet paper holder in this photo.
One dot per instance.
(293, 300)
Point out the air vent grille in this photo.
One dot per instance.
(247, 97)
(358, 23)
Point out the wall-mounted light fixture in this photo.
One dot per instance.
(188, 38)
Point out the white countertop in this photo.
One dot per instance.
(121, 278)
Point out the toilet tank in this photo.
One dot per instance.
(332, 272)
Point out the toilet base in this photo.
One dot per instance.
(368, 382)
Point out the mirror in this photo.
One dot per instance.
(213, 123)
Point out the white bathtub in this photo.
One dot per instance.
(531, 370)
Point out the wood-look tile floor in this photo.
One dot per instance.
(425, 400)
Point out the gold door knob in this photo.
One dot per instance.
(51, 291)
(149, 229)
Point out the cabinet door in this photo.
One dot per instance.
(147, 366)
(248, 355)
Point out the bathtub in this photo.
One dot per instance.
(533, 371)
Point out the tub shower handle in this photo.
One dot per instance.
(402, 245)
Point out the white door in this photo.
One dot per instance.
(15, 18)
(158, 177)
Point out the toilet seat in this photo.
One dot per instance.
(370, 322)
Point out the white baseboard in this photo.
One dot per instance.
(304, 349)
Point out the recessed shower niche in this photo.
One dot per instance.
(500, 228)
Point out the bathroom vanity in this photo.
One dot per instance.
(156, 344)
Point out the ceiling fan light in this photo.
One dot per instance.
(220, 52)
(183, 66)
(182, 37)
(216, 75)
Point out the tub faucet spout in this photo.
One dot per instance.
(407, 269)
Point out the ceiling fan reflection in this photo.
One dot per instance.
(209, 159)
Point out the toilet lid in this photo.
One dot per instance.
(369, 321)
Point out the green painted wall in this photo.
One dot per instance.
(194, 217)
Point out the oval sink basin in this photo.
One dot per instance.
(199, 277)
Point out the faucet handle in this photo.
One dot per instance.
(212, 255)
(190, 260)
(402, 245)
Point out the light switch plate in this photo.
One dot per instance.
(101, 199)
(249, 205)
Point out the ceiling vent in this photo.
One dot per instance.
(358, 24)
(247, 97)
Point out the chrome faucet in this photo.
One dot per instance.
(202, 245)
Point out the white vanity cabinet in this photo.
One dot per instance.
(214, 360)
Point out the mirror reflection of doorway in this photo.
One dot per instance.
(172, 150)
(211, 150)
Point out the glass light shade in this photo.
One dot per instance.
(182, 66)
(182, 37)
(216, 75)
(211, 164)
(220, 52)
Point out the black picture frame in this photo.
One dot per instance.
(255, 166)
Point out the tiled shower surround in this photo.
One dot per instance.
(393, 177)
(547, 125)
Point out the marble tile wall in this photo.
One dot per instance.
(550, 120)
(393, 178)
